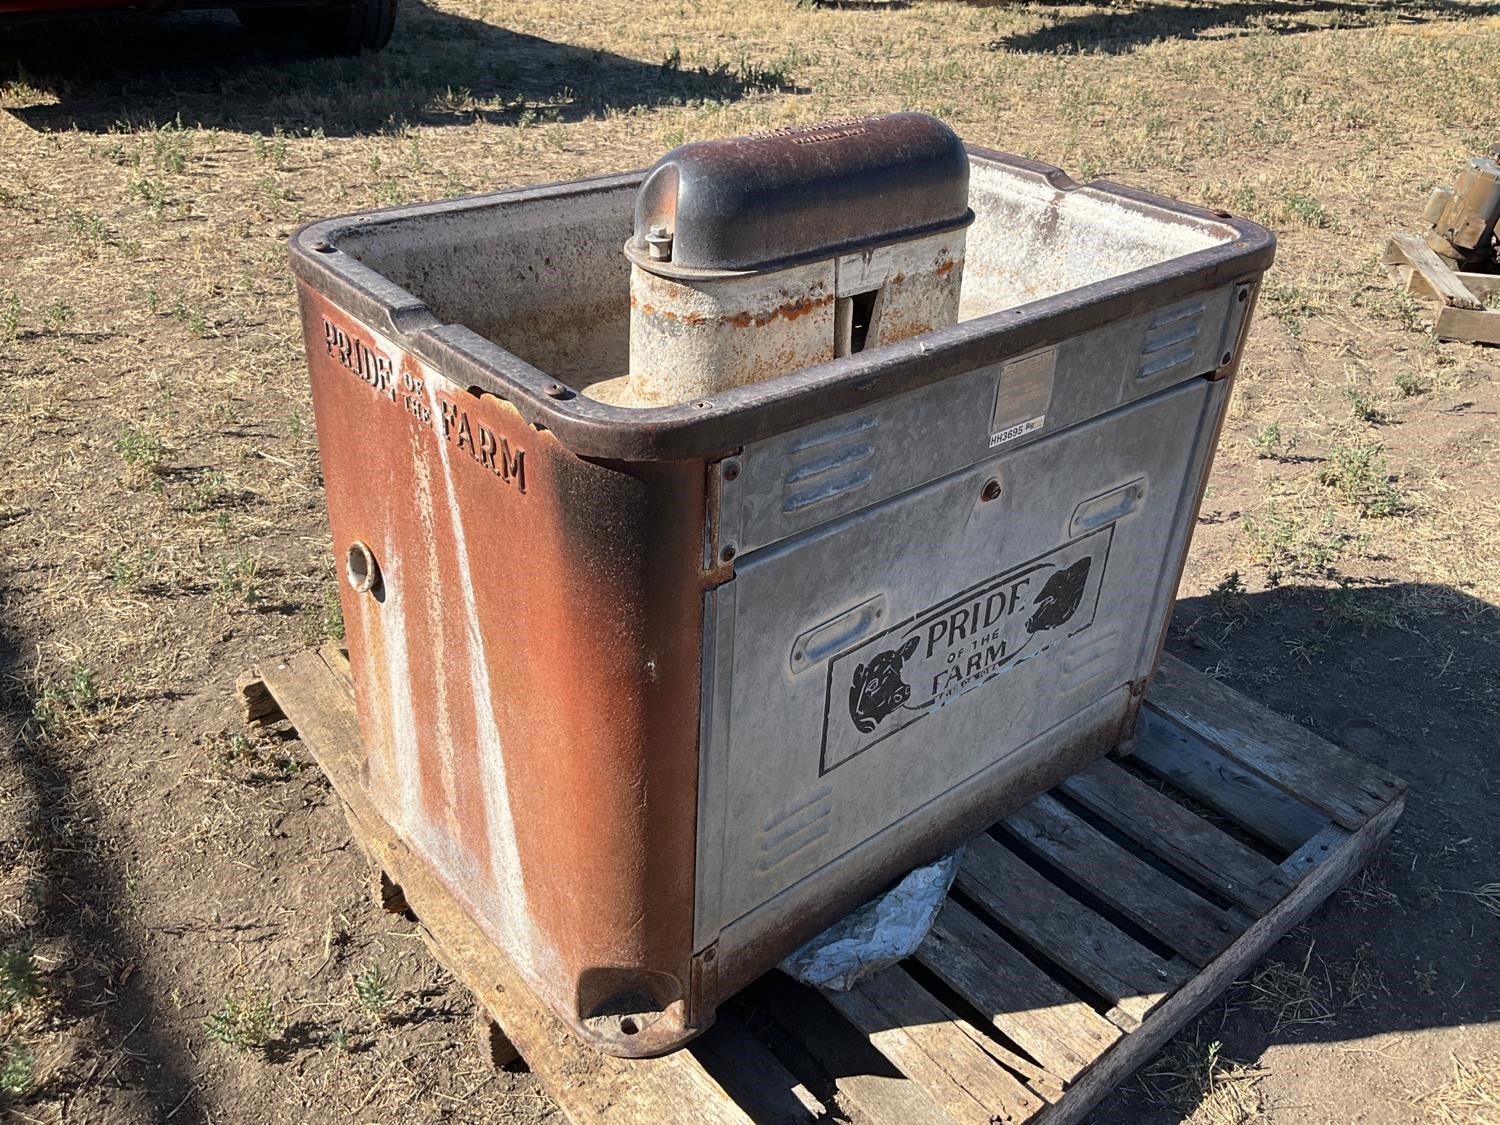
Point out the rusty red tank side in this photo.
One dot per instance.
(526, 666)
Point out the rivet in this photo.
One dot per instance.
(731, 470)
(726, 555)
(322, 246)
(556, 390)
(991, 490)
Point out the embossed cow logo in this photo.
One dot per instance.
(877, 688)
(1059, 598)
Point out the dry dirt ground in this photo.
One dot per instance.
(184, 931)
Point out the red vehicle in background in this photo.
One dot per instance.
(334, 27)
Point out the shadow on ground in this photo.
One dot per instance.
(440, 69)
(75, 909)
(1119, 29)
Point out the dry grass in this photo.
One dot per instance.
(1313, 991)
(1471, 1098)
(160, 512)
(1212, 1090)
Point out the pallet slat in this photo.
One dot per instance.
(872, 1084)
(1053, 924)
(1189, 923)
(752, 1076)
(1205, 775)
(1247, 949)
(922, 1038)
(1028, 1007)
(893, 1050)
(1188, 842)
(1349, 791)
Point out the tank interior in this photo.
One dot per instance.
(547, 279)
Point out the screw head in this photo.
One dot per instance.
(730, 470)
(991, 490)
(556, 390)
(322, 246)
(726, 555)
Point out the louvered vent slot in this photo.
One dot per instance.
(829, 463)
(1171, 340)
(787, 833)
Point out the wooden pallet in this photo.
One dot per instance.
(1464, 300)
(1082, 932)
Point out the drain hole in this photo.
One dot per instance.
(360, 568)
(629, 1026)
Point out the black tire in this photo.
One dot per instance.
(342, 29)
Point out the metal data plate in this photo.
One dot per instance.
(879, 660)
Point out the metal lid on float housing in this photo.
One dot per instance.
(771, 199)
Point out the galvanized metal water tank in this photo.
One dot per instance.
(676, 636)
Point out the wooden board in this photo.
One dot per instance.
(1461, 296)
(1081, 933)
(1482, 327)
(1435, 275)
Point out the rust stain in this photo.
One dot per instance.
(790, 311)
(520, 670)
(646, 309)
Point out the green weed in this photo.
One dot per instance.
(89, 232)
(1285, 545)
(244, 1023)
(1230, 598)
(152, 190)
(18, 1071)
(238, 579)
(58, 313)
(1361, 476)
(143, 453)
(1307, 211)
(171, 147)
(20, 979)
(10, 318)
(62, 702)
(1268, 442)
(210, 490)
(373, 988)
(271, 149)
(1363, 609)
(1411, 384)
(1365, 406)
(1290, 305)
(324, 621)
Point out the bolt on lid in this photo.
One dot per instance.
(771, 199)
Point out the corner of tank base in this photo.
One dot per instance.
(645, 1034)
